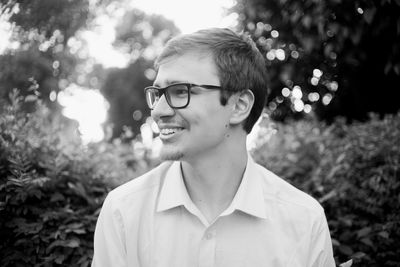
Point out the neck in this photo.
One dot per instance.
(213, 179)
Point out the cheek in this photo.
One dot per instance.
(207, 117)
(210, 125)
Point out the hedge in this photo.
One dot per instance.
(52, 186)
(353, 170)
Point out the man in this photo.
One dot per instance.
(210, 204)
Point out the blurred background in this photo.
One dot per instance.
(74, 123)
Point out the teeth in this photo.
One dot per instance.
(168, 131)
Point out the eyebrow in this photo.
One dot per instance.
(169, 82)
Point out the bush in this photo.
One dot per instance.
(52, 186)
(353, 170)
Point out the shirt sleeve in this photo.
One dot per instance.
(321, 252)
(109, 241)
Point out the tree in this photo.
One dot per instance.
(141, 37)
(52, 54)
(336, 57)
(42, 30)
(123, 89)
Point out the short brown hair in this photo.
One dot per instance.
(239, 63)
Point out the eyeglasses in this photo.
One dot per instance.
(177, 94)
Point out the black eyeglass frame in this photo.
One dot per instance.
(189, 86)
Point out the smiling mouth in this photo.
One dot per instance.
(169, 132)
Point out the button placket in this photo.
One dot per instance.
(209, 235)
(207, 249)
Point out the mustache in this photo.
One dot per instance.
(167, 121)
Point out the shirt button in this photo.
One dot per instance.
(209, 235)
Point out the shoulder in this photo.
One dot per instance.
(286, 195)
(146, 185)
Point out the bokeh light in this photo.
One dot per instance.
(307, 108)
(326, 99)
(317, 73)
(5, 33)
(271, 54)
(88, 107)
(190, 16)
(314, 81)
(313, 97)
(296, 92)
(294, 54)
(275, 34)
(333, 86)
(298, 105)
(53, 96)
(280, 54)
(285, 92)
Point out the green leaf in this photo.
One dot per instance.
(358, 255)
(57, 196)
(59, 259)
(364, 232)
(384, 234)
(79, 231)
(31, 98)
(368, 242)
(369, 14)
(346, 264)
(346, 250)
(74, 243)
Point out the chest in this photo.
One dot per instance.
(234, 241)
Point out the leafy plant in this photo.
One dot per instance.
(353, 170)
(52, 187)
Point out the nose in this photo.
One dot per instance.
(162, 109)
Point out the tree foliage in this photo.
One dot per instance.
(52, 187)
(64, 16)
(141, 36)
(355, 44)
(52, 52)
(41, 30)
(123, 89)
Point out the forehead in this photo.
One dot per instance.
(198, 68)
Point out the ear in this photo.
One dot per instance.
(243, 102)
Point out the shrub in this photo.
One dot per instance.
(353, 170)
(52, 186)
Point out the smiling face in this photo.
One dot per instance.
(203, 126)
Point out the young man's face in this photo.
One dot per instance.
(201, 127)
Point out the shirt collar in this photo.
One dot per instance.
(249, 198)
(173, 192)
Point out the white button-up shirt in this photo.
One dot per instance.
(152, 222)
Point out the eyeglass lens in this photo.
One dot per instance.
(177, 96)
(152, 97)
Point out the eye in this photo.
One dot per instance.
(178, 91)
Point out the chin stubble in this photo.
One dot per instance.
(171, 155)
